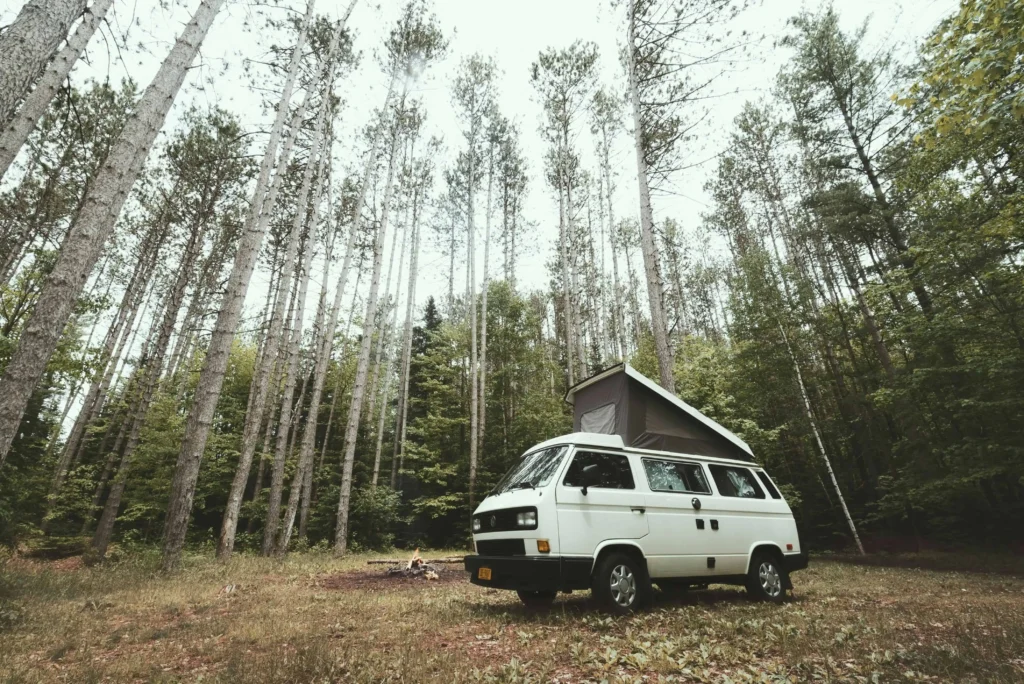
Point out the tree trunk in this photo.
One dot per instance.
(211, 379)
(269, 353)
(817, 439)
(32, 109)
(341, 358)
(385, 329)
(100, 208)
(563, 258)
(287, 410)
(387, 334)
(27, 44)
(647, 244)
(363, 362)
(402, 410)
(305, 460)
(483, 305)
(474, 416)
(149, 376)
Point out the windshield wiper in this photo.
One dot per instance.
(523, 485)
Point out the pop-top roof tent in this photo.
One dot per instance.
(622, 401)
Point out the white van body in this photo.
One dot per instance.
(681, 519)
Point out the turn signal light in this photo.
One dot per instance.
(543, 546)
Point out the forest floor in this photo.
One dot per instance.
(313, 618)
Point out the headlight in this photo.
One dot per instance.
(526, 519)
(476, 524)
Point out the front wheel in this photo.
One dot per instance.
(766, 579)
(537, 600)
(620, 584)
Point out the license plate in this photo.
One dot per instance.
(484, 573)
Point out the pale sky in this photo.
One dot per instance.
(511, 32)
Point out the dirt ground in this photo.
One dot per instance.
(312, 618)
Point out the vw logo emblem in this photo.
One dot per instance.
(494, 521)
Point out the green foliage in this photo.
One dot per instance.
(375, 512)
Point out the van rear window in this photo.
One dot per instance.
(736, 482)
(768, 484)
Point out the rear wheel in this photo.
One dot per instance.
(766, 579)
(620, 584)
(537, 600)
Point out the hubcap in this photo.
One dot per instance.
(623, 585)
(771, 582)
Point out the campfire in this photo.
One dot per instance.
(415, 566)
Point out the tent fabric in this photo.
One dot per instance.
(619, 401)
(600, 420)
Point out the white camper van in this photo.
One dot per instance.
(648, 490)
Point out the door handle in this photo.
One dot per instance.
(641, 511)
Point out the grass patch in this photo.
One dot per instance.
(291, 620)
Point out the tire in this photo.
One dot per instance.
(537, 600)
(766, 579)
(620, 584)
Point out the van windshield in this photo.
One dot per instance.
(532, 471)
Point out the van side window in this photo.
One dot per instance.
(613, 471)
(768, 484)
(738, 482)
(672, 476)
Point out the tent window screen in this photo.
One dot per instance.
(671, 476)
(600, 420)
(736, 482)
(613, 471)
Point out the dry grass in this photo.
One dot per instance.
(289, 621)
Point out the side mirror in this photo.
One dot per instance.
(590, 477)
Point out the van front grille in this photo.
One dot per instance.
(501, 547)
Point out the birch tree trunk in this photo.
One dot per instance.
(27, 45)
(363, 362)
(817, 439)
(32, 109)
(647, 243)
(100, 208)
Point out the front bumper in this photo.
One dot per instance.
(531, 573)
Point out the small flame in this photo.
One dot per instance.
(415, 561)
